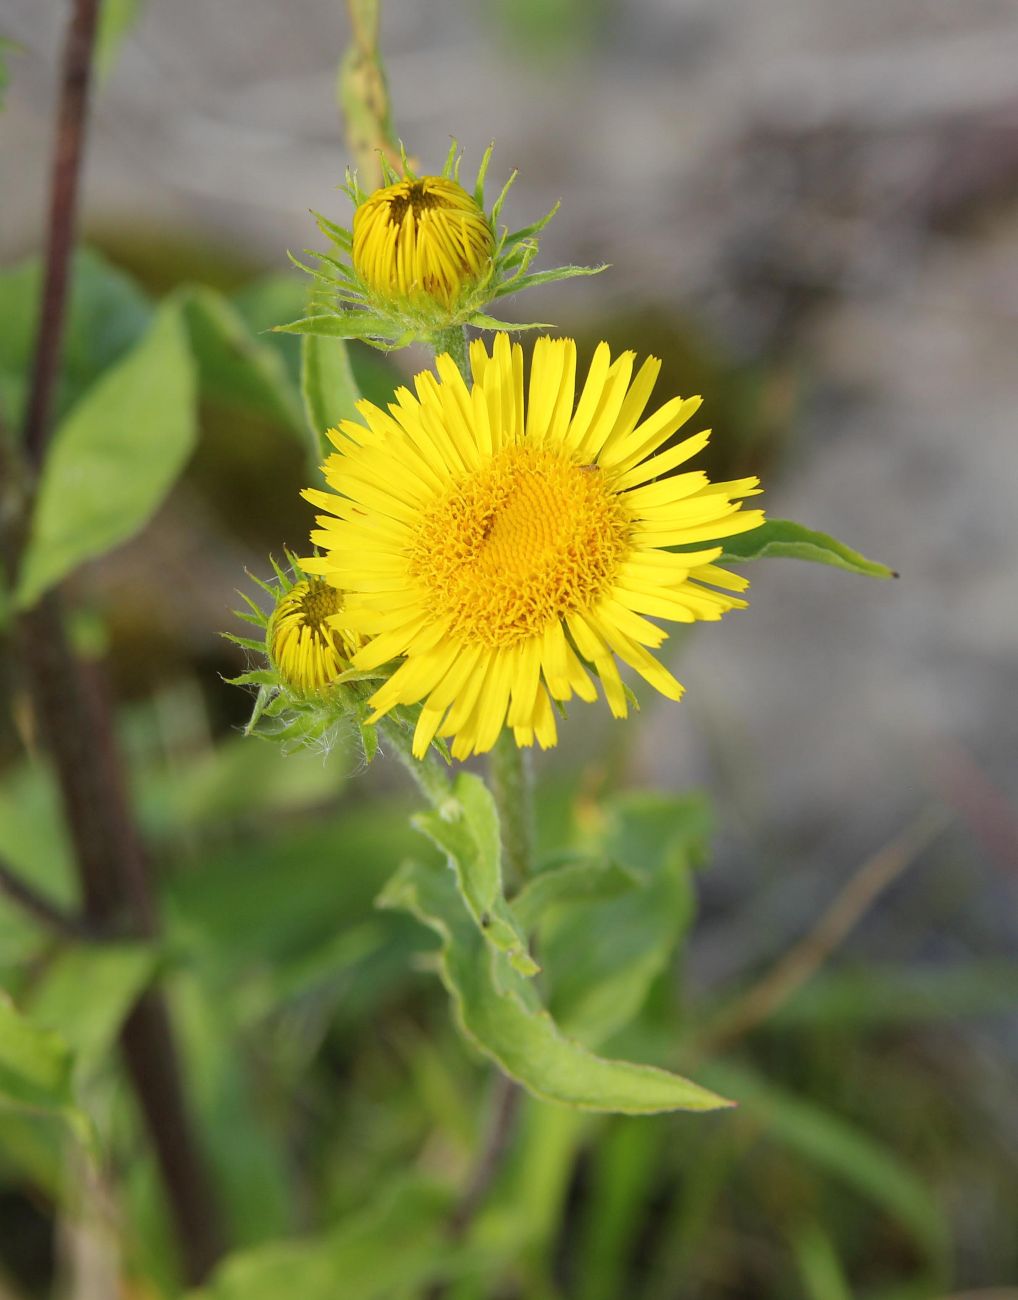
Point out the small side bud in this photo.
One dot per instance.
(306, 641)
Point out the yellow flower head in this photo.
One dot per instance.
(422, 239)
(306, 640)
(503, 547)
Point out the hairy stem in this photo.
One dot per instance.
(426, 773)
(511, 780)
(454, 341)
(364, 96)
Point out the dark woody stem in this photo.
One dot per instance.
(70, 138)
(74, 717)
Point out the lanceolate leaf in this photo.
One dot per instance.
(107, 315)
(334, 325)
(235, 366)
(496, 1010)
(114, 458)
(467, 831)
(788, 540)
(328, 386)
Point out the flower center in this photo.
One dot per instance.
(521, 542)
(418, 197)
(315, 605)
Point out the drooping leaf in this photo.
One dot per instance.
(466, 829)
(781, 538)
(497, 1010)
(235, 367)
(114, 458)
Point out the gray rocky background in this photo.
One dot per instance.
(826, 189)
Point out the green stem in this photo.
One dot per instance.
(454, 341)
(513, 790)
(427, 775)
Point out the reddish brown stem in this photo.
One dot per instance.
(75, 722)
(70, 138)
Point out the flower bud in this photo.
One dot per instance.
(422, 242)
(306, 647)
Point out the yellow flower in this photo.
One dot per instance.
(305, 644)
(422, 240)
(502, 548)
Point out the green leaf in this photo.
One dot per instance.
(234, 366)
(86, 995)
(227, 1089)
(114, 458)
(589, 878)
(328, 386)
(623, 1166)
(466, 829)
(886, 994)
(33, 842)
(822, 1275)
(116, 18)
(395, 1248)
(496, 1010)
(838, 1147)
(107, 314)
(536, 278)
(782, 538)
(35, 1070)
(334, 325)
(601, 956)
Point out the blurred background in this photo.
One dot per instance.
(811, 214)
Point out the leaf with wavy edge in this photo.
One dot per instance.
(497, 1011)
(466, 830)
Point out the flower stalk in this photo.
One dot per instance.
(511, 777)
